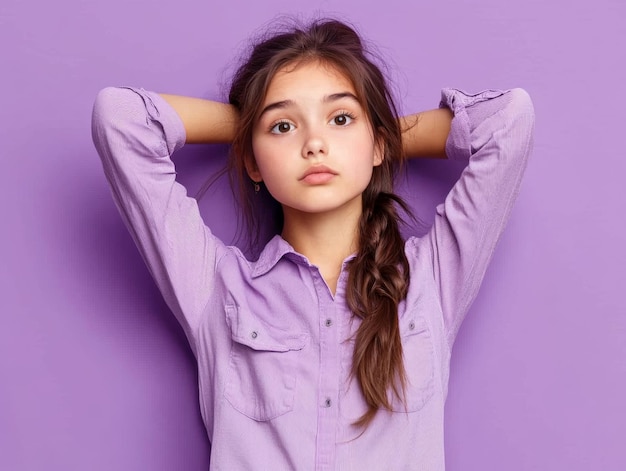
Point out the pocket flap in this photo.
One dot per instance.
(249, 330)
(413, 325)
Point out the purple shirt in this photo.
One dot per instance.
(272, 343)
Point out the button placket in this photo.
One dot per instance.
(329, 378)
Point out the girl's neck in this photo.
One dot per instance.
(325, 239)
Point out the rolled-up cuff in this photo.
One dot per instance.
(161, 111)
(458, 144)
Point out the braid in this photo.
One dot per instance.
(378, 281)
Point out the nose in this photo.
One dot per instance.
(315, 145)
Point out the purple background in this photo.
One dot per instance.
(95, 373)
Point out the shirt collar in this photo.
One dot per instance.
(278, 248)
(273, 251)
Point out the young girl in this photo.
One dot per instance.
(332, 349)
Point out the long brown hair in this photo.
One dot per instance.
(379, 274)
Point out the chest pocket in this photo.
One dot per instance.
(418, 356)
(418, 359)
(261, 378)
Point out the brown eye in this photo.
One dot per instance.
(281, 128)
(342, 119)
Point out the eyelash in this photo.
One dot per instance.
(284, 121)
(277, 123)
(344, 113)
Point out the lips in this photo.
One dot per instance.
(318, 169)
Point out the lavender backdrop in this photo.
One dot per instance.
(95, 373)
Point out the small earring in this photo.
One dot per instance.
(257, 187)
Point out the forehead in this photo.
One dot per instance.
(308, 78)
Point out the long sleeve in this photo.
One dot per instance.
(493, 129)
(135, 133)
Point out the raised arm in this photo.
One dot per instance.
(492, 131)
(424, 134)
(205, 121)
(135, 133)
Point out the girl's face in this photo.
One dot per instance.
(313, 145)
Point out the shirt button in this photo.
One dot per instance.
(328, 402)
(328, 322)
(254, 334)
(411, 325)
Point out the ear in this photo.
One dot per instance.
(379, 151)
(253, 169)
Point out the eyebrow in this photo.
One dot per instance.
(327, 99)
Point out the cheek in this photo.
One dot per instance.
(364, 177)
(268, 160)
(366, 165)
(261, 151)
(259, 154)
